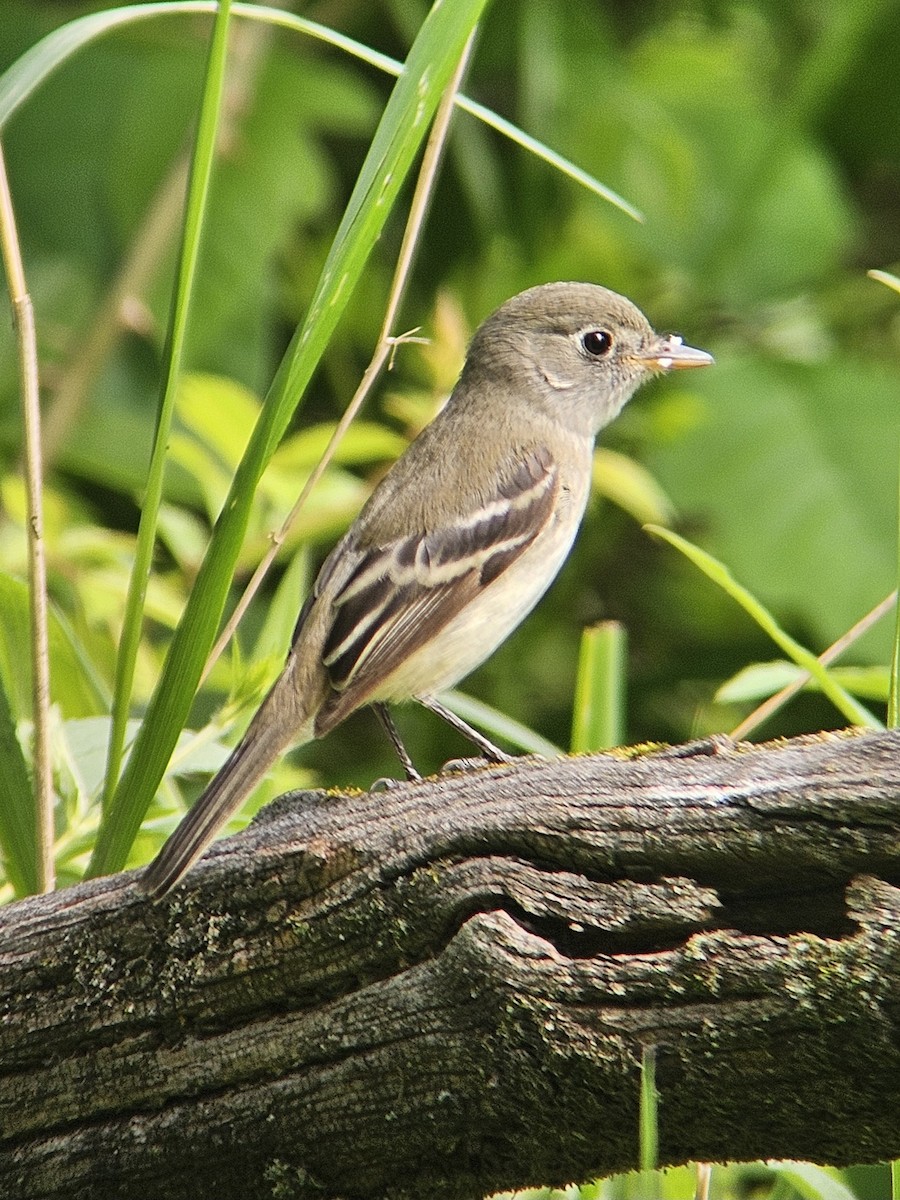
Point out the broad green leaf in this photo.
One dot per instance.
(789, 470)
(364, 442)
(757, 682)
(185, 535)
(219, 412)
(336, 500)
(212, 477)
(812, 1182)
(761, 680)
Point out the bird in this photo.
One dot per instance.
(458, 541)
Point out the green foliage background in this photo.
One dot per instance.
(759, 140)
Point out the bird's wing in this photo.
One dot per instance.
(400, 595)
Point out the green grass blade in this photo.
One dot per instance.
(649, 1114)
(18, 832)
(498, 724)
(198, 189)
(893, 711)
(893, 708)
(29, 71)
(598, 719)
(855, 713)
(885, 277)
(400, 132)
(812, 1182)
(549, 156)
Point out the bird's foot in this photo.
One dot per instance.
(459, 766)
(386, 783)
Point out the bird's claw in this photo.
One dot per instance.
(459, 766)
(386, 783)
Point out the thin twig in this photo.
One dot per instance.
(834, 651)
(23, 318)
(704, 1180)
(383, 351)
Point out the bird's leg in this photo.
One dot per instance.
(387, 721)
(491, 752)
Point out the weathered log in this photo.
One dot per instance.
(446, 989)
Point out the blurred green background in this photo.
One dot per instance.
(758, 139)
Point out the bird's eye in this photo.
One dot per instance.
(597, 342)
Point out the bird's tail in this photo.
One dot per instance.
(274, 728)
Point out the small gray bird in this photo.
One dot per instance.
(457, 543)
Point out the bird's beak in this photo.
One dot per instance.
(669, 353)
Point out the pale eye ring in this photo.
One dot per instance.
(597, 342)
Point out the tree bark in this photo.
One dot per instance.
(447, 989)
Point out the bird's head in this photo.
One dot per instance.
(577, 350)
